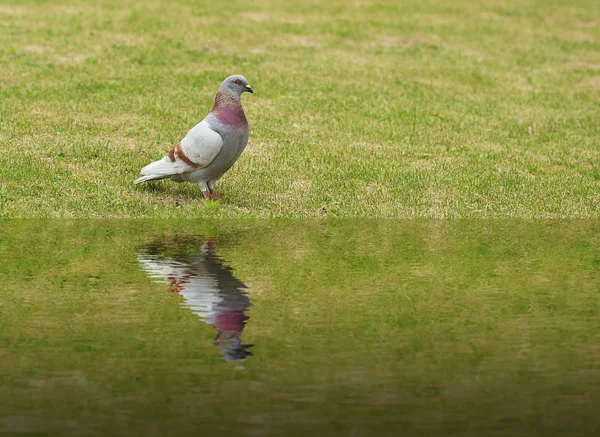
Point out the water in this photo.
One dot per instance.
(346, 328)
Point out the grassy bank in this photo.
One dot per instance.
(387, 109)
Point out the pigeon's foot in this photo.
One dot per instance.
(213, 195)
(206, 196)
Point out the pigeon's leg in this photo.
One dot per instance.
(211, 188)
(204, 188)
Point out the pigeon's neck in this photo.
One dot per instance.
(225, 99)
(228, 109)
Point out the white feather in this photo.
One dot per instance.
(201, 145)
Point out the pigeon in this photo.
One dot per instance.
(208, 288)
(212, 146)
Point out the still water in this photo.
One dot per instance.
(336, 328)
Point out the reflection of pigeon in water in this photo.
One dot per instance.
(209, 289)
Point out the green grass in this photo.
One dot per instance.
(369, 109)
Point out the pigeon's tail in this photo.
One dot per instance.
(156, 170)
(150, 177)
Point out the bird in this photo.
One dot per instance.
(212, 146)
(207, 286)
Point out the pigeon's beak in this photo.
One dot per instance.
(249, 89)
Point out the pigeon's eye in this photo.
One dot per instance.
(237, 81)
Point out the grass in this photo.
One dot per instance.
(362, 109)
(474, 327)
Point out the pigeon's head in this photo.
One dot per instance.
(236, 85)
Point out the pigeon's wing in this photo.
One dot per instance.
(197, 149)
(200, 146)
